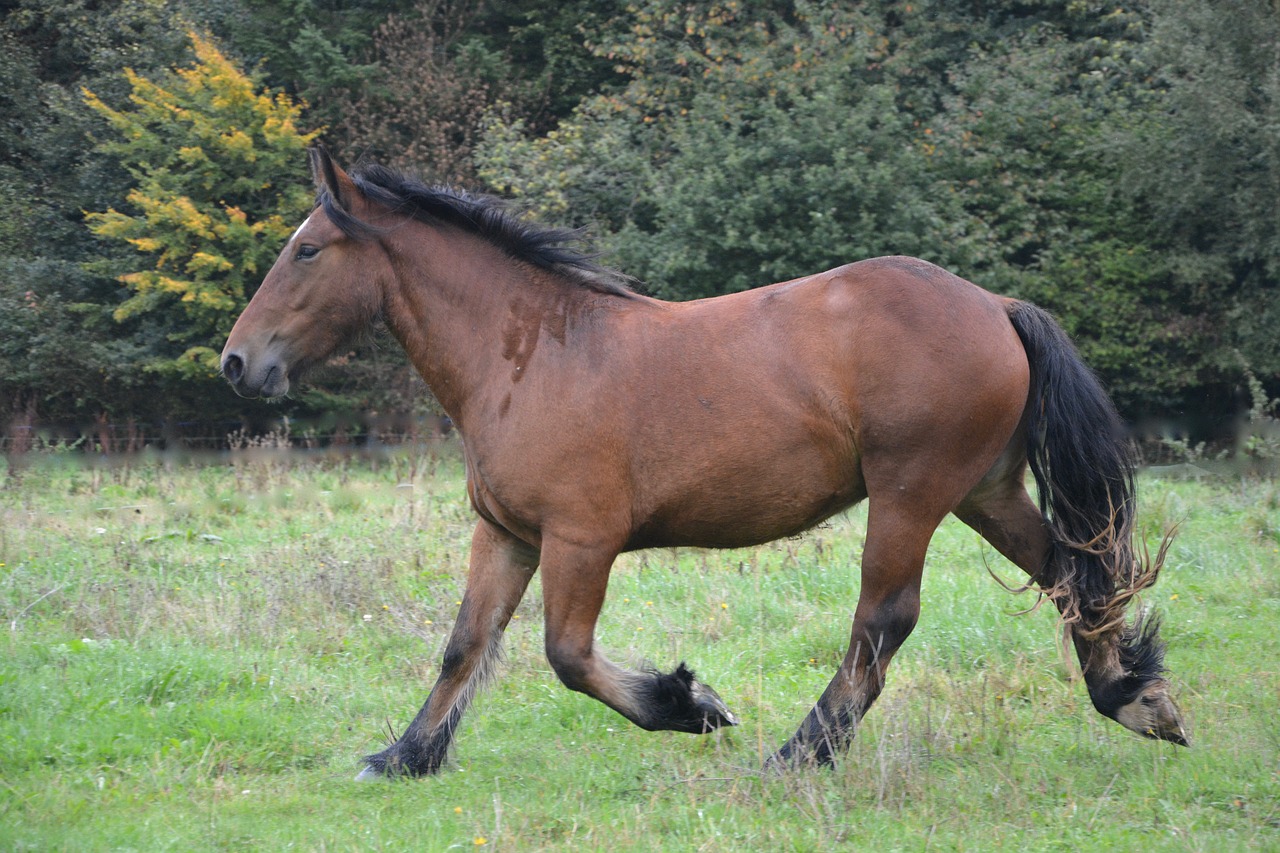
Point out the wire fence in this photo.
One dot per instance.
(132, 436)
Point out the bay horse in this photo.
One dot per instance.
(596, 420)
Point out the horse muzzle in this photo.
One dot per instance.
(264, 376)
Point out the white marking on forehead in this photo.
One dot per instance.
(294, 235)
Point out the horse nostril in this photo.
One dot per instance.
(233, 368)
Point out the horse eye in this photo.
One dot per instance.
(305, 252)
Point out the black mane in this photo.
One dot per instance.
(491, 218)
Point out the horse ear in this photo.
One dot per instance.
(329, 176)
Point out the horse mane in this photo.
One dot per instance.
(493, 219)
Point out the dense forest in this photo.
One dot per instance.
(1117, 164)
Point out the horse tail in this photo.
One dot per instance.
(1083, 464)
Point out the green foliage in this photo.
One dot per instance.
(1117, 164)
(218, 189)
(40, 366)
(754, 143)
(547, 46)
(1202, 165)
(441, 65)
(66, 359)
(423, 107)
(1108, 296)
(1020, 142)
(746, 149)
(20, 121)
(312, 49)
(1260, 439)
(1210, 170)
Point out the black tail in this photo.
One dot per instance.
(1082, 461)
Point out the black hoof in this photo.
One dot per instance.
(793, 756)
(708, 704)
(380, 766)
(400, 759)
(822, 736)
(679, 702)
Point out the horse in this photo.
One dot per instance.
(596, 420)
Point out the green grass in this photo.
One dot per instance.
(194, 656)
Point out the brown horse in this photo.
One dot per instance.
(596, 421)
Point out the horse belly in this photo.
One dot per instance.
(732, 503)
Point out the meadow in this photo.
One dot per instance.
(196, 652)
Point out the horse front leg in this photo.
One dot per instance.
(574, 579)
(499, 573)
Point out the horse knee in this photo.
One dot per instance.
(570, 665)
(457, 652)
(467, 652)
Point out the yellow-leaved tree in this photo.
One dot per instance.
(219, 179)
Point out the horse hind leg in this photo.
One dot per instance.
(1122, 664)
(574, 579)
(898, 537)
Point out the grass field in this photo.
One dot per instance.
(196, 653)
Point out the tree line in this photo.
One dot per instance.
(1118, 165)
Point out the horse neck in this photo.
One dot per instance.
(461, 309)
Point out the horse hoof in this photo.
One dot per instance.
(1154, 715)
(369, 774)
(715, 713)
(786, 761)
(799, 754)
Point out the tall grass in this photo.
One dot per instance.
(195, 653)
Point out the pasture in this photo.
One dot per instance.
(196, 653)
